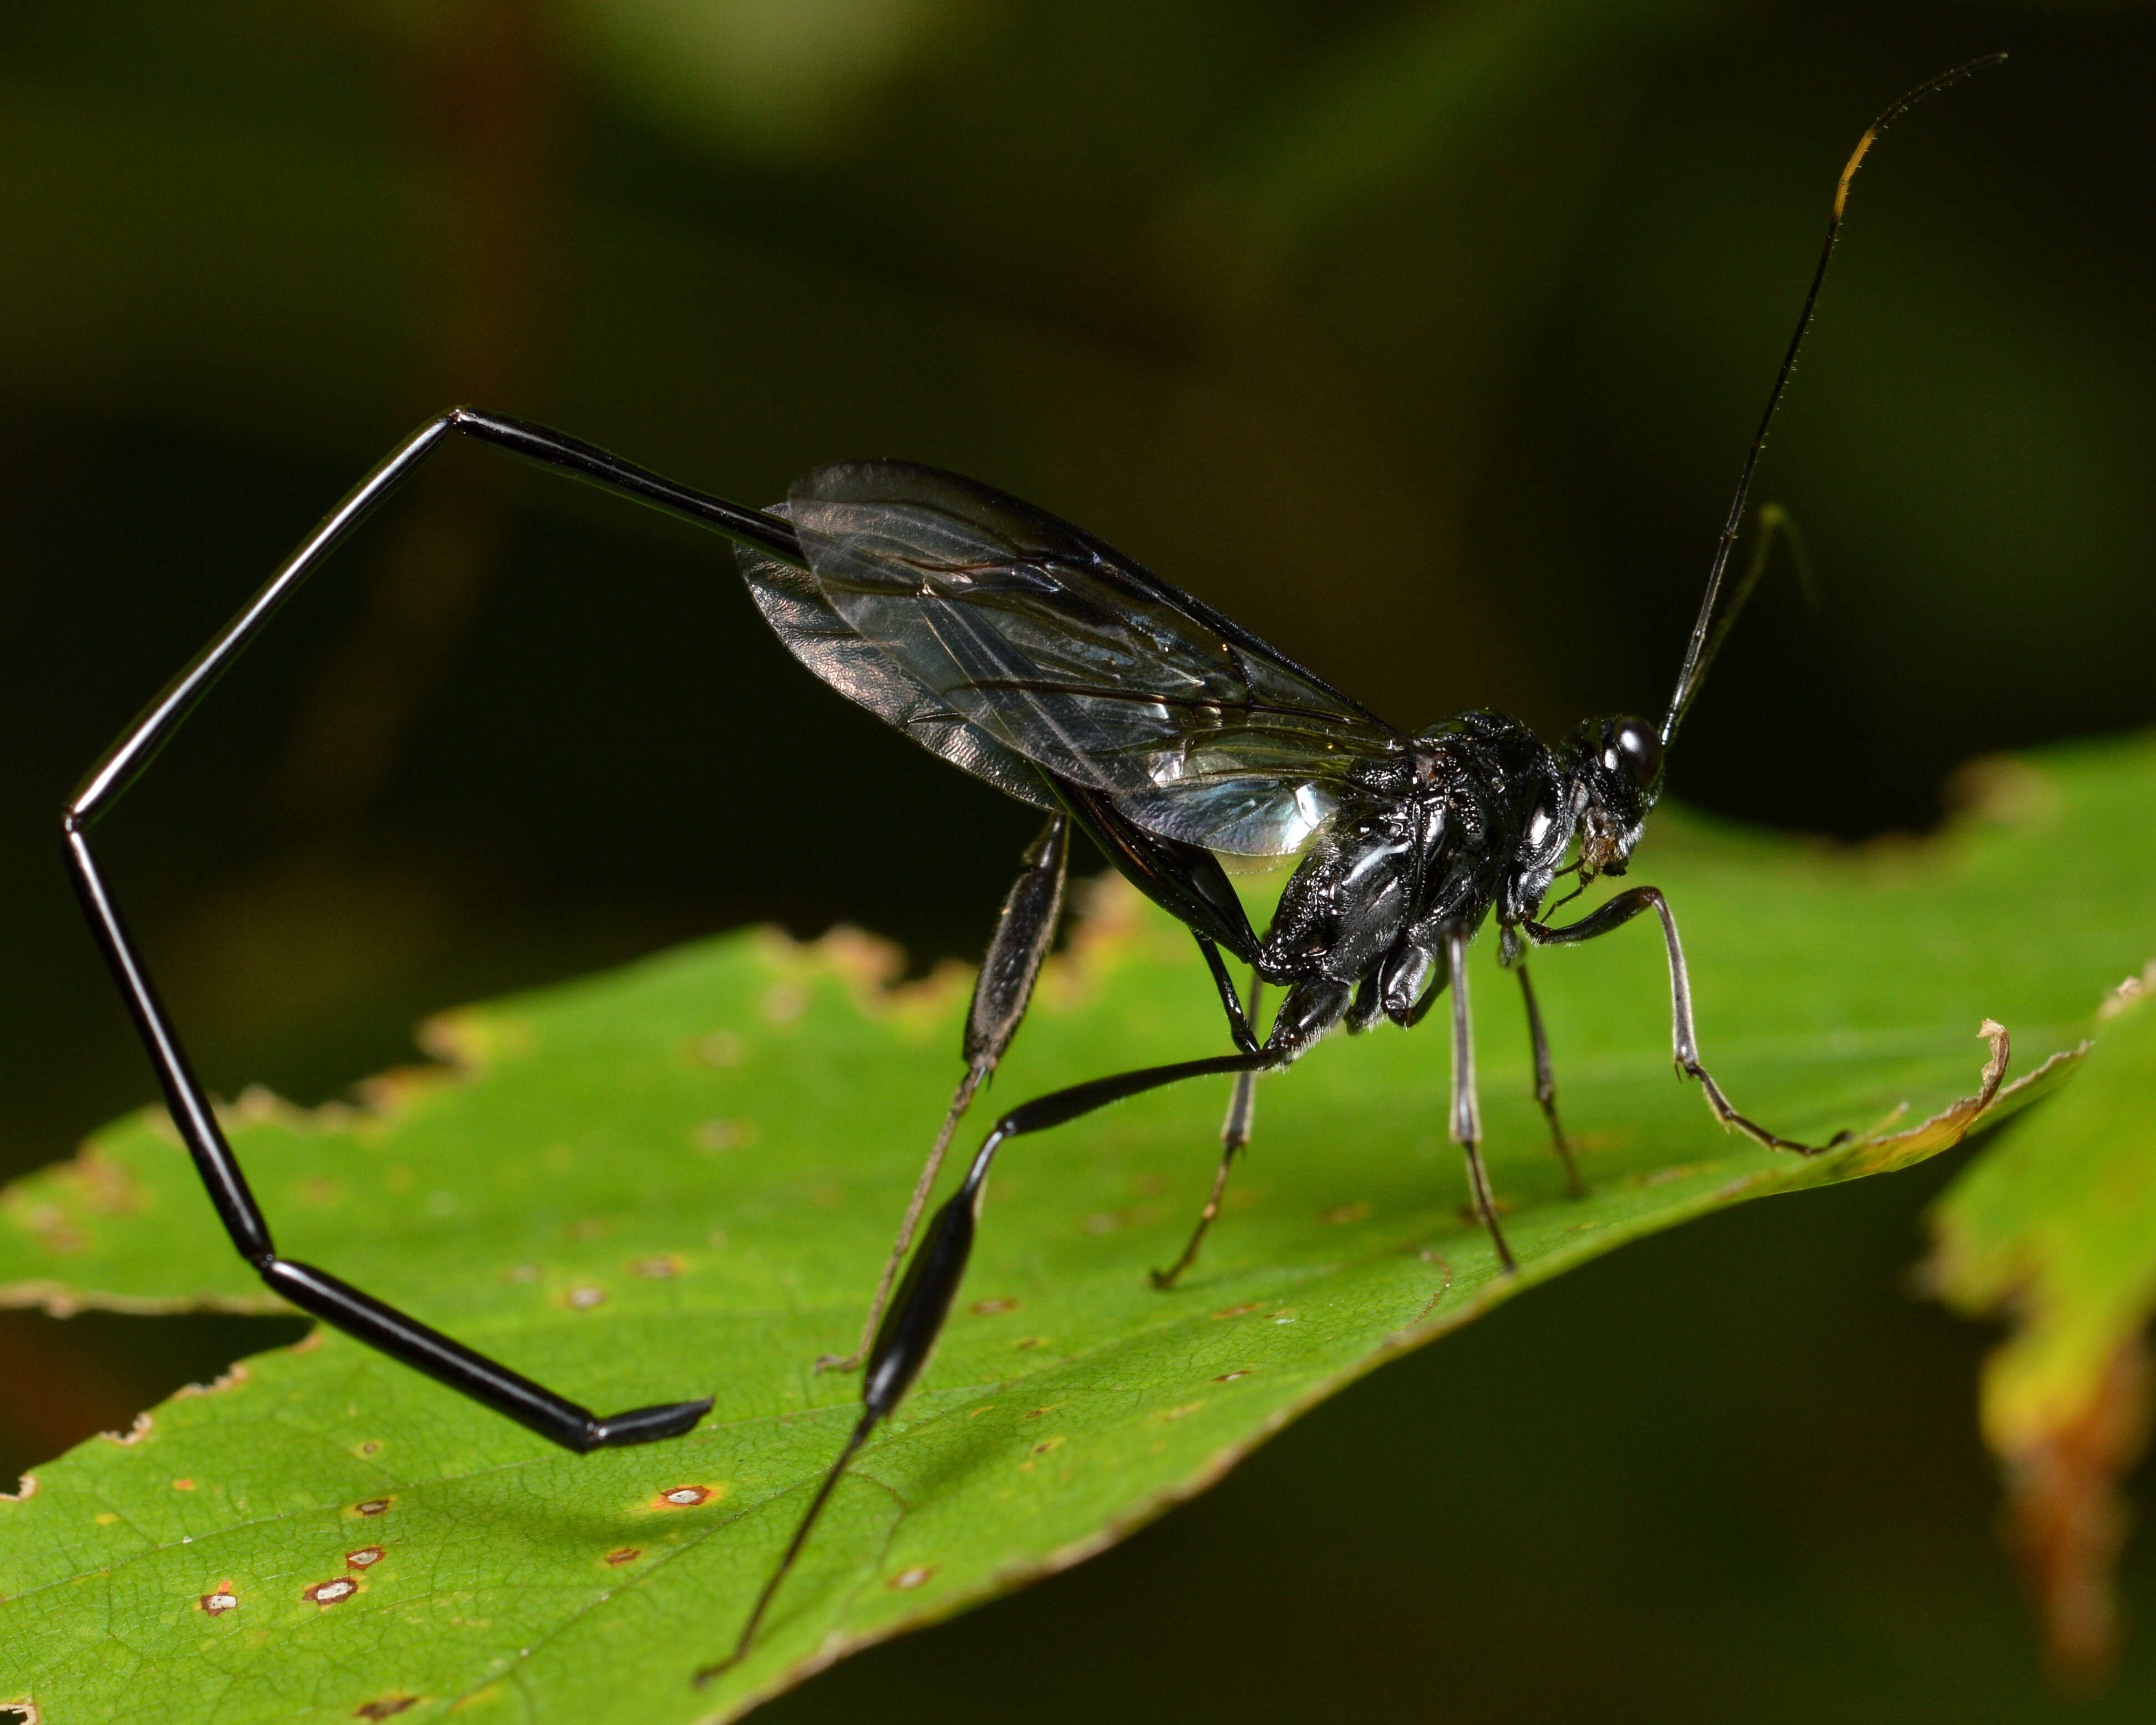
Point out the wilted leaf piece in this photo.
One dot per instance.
(680, 1180)
(2056, 1228)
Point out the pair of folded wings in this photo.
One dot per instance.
(1017, 646)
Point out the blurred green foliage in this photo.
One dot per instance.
(1424, 339)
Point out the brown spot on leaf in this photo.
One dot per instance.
(785, 1003)
(326, 1593)
(908, 1579)
(373, 1507)
(993, 1308)
(1237, 1310)
(217, 1604)
(387, 1707)
(1047, 1444)
(364, 1558)
(662, 1266)
(1230, 1377)
(370, 1447)
(1356, 1212)
(183, 1485)
(624, 1554)
(716, 1134)
(584, 1298)
(686, 1497)
(722, 1048)
(103, 1182)
(1029, 1341)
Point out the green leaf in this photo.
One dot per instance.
(2055, 1226)
(682, 1177)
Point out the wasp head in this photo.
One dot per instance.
(1614, 769)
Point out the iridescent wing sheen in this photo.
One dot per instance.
(795, 606)
(1055, 647)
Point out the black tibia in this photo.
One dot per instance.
(1234, 1134)
(337, 1303)
(1467, 1105)
(1025, 929)
(909, 1328)
(1683, 1038)
(1239, 1022)
(1546, 1086)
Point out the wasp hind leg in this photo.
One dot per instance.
(1025, 929)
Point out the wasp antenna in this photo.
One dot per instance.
(1700, 651)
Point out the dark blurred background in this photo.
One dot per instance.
(1426, 339)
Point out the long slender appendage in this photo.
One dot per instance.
(916, 1314)
(1467, 1105)
(1234, 1134)
(1025, 929)
(358, 1314)
(1684, 1038)
(1546, 1087)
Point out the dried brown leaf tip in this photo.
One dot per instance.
(2069, 1521)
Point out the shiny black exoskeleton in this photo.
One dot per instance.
(1474, 816)
(1034, 656)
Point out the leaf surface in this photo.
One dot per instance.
(681, 1179)
(2054, 1227)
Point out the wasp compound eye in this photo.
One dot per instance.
(1638, 750)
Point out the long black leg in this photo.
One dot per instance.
(1546, 1086)
(915, 1316)
(1467, 1105)
(1025, 929)
(1234, 1134)
(1683, 1038)
(314, 1291)
(1239, 1022)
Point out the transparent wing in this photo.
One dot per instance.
(1065, 652)
(795, 606)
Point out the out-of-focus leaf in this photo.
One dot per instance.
(2056, 1228)
(681, 1177)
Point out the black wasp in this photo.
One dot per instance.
(1034, 656)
